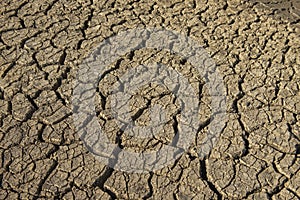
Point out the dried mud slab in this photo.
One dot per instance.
(256, 47)
(289, 9)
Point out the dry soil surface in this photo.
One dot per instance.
(256, 47)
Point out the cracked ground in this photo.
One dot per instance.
(256, 48)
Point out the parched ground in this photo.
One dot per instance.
(256, 47)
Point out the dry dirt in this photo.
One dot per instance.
(256, 47)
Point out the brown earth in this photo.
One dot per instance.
(256, 47)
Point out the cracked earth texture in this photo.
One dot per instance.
(256, 47)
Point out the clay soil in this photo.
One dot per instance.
(256, 48)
